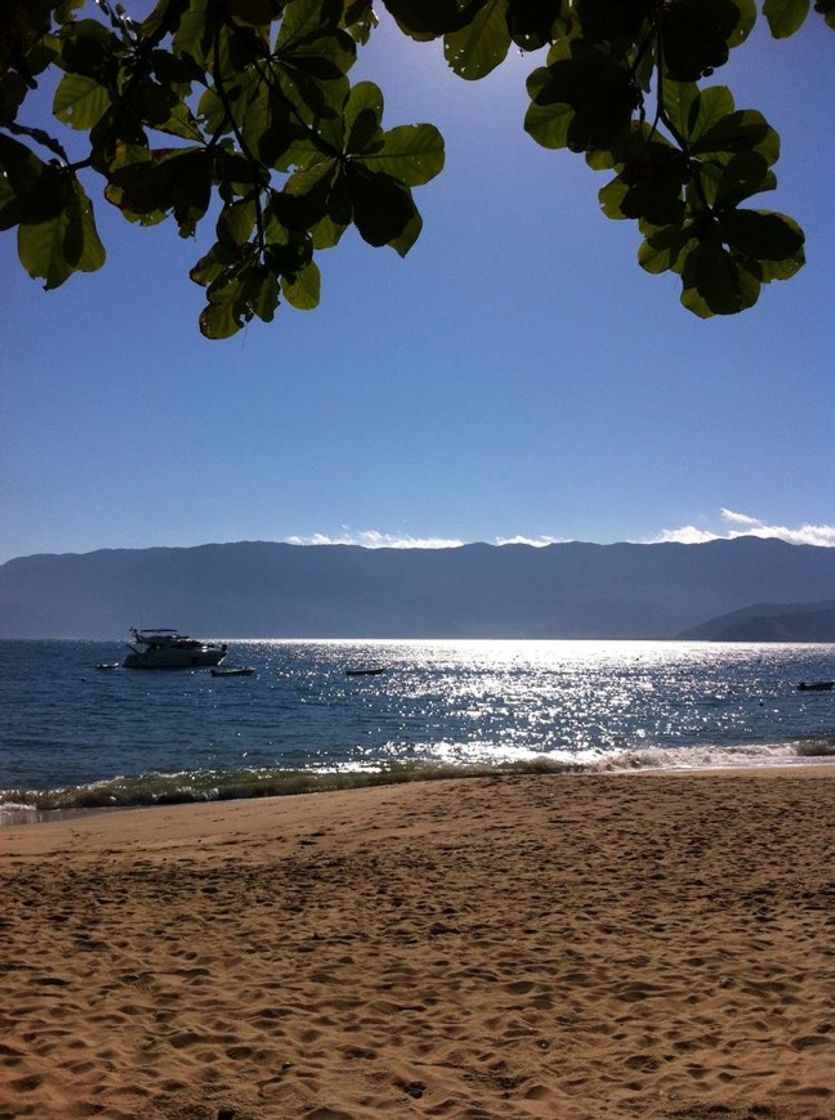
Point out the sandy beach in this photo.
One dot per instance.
(572, 947)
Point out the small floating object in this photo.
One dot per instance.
(232, 671)
(368, 671)
(815, 686)
(106, 666)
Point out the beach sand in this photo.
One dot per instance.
(571, 947)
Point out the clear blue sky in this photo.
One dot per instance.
(516, 375)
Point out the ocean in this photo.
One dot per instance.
(72, 736)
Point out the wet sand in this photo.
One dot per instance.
(569, 947)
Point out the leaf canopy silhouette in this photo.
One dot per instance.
(244, 109)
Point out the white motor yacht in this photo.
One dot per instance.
(169, 649)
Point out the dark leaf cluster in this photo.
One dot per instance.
(242, 114)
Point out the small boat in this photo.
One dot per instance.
(169, 649)
(370, 671)
(105, 666)
(815, 686)
(232, 671)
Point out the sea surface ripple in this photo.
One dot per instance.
(72, 735)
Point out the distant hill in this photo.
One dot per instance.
(770, 622)
(260, 589)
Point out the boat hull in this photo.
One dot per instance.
(174, 659)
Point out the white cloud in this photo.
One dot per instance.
(372, 538)
(687, 534)
(534, 542)
(740, 518)
(822, 536)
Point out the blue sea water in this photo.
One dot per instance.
(72, 735)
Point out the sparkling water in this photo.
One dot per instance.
(126, 735)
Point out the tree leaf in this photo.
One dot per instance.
(196, 30)
(715, 283)
(546, 123)
(785, 16)
(80, 102)
(56, 248)
(762, 235)
(746, 173)
(220, 320)
(255, 12)
(478, 48)
(666, 249)
(678, 98)
(707, 109)
(365, 102)
(743, 130)
(304, 290)
(236, 223)
(695, 36)
(596, 87)
(412, 153)
(411, 231)
(382, 207)
(40, 249)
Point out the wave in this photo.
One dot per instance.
(17, 805)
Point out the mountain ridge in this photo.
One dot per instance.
(276, 589)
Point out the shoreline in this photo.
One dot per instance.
(147, 791)
(498, 948)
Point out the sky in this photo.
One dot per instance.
(516, 377)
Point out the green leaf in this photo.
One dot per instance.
(427, 19)
(64, 244)
(548, 124)
(236, 223)
(174, 181)
(382, 207)
(649, 186)
(412, 153)
(695, 36)
(715, 283)
(255, 12)
(89, 49)
(611, 198)
(706, 110)
(80, 102)
(404, 241)
(304, 201)
(181, 123)
(785, 16)
(208, 269)
(667, 248)
(327, 233)
(743, 130)
(762, 234)
(304, 290)
(745, 174)
(40, 189)
(482, 45)
(260, 292)
(827, 10)
(534, 23)
(195, 31)
(220, 320)
(678, 98)
(597, 89)
(611, 20)
(364, 104)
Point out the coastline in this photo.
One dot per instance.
(20, 806)
(594, 945)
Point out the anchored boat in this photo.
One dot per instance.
(169, 649)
